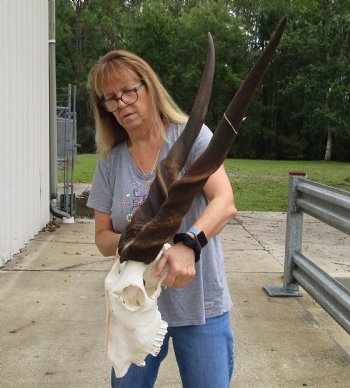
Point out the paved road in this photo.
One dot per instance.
(53, 312)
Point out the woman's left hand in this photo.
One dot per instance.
(181, 266)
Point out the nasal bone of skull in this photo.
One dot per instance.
(134, 324)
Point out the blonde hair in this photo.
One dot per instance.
(115, 65)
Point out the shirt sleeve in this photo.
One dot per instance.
(101, 193)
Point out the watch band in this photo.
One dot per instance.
(193, 230)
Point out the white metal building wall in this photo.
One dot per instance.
(24, 123)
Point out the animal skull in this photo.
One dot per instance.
(134, 324)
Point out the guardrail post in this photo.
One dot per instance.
(294, 233)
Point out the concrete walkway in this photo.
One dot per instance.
(52, 310)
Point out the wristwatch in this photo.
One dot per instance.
(199, 236)
(196, 243)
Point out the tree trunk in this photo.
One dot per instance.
(328, 153)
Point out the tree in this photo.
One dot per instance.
(301, 110)
(85, 30)
(320, 76)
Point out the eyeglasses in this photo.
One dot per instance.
(129, 97)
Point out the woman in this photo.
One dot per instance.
(137, 122)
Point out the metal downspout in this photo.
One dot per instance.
(53, 115)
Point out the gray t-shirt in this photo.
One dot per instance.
(119, 188)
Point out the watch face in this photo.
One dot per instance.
(202, 239)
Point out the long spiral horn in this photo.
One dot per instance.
(170, 166)
(148, 242)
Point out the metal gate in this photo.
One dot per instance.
(66, 146)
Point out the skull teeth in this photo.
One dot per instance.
(134, 325)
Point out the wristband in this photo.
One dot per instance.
(193, 230)
(189, 242)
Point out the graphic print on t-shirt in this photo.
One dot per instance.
(134, 199)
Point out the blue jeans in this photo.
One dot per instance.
(203, 353)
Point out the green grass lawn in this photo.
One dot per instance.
(262, 185)
(259, 185)
(84, 168)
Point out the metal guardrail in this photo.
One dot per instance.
(329, 205)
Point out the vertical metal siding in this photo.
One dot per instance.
(24, 112)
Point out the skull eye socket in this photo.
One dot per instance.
(133, 296)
